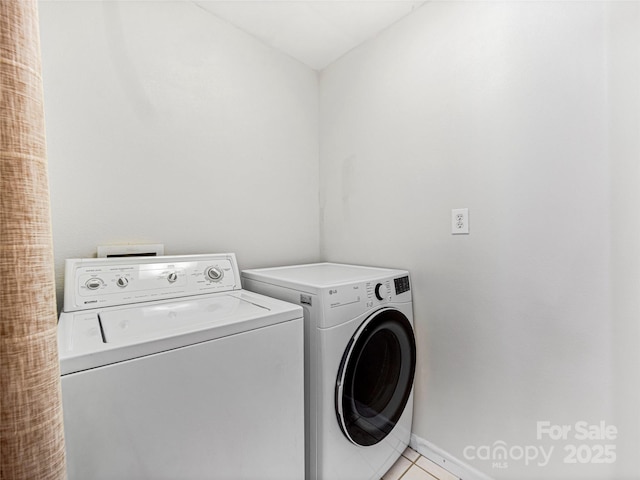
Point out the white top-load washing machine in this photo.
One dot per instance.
(359, 363)
(171, 371)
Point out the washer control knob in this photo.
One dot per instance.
(93, 283)
(381, 291)
(122, 282)
(214, 273)
(172, 277)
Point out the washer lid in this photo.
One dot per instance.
(128, 325)
(95, 338)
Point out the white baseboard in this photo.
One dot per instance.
(460, 469)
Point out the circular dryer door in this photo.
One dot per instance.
(376, 377)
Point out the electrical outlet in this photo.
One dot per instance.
(460, 221)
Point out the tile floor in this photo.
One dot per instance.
(413, 466)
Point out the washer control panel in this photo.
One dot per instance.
(100, 282)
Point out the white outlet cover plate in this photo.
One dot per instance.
(460, 221)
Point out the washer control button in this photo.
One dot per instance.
(93, 283)
(214, 274)
(172, 277)
(122, 282)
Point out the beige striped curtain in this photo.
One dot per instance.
(31, 428)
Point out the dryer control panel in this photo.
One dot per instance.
(101, 282)
(349, 300)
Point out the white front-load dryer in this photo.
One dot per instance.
(360, 358)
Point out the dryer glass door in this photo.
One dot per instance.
(376, 377)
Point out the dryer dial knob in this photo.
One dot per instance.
(122, 282)
(381, 291)
(214, 273)
(172, 277)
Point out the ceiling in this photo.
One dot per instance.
(314, 32)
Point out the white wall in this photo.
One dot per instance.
(167, 125)
(624, 153)
(509, 109)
